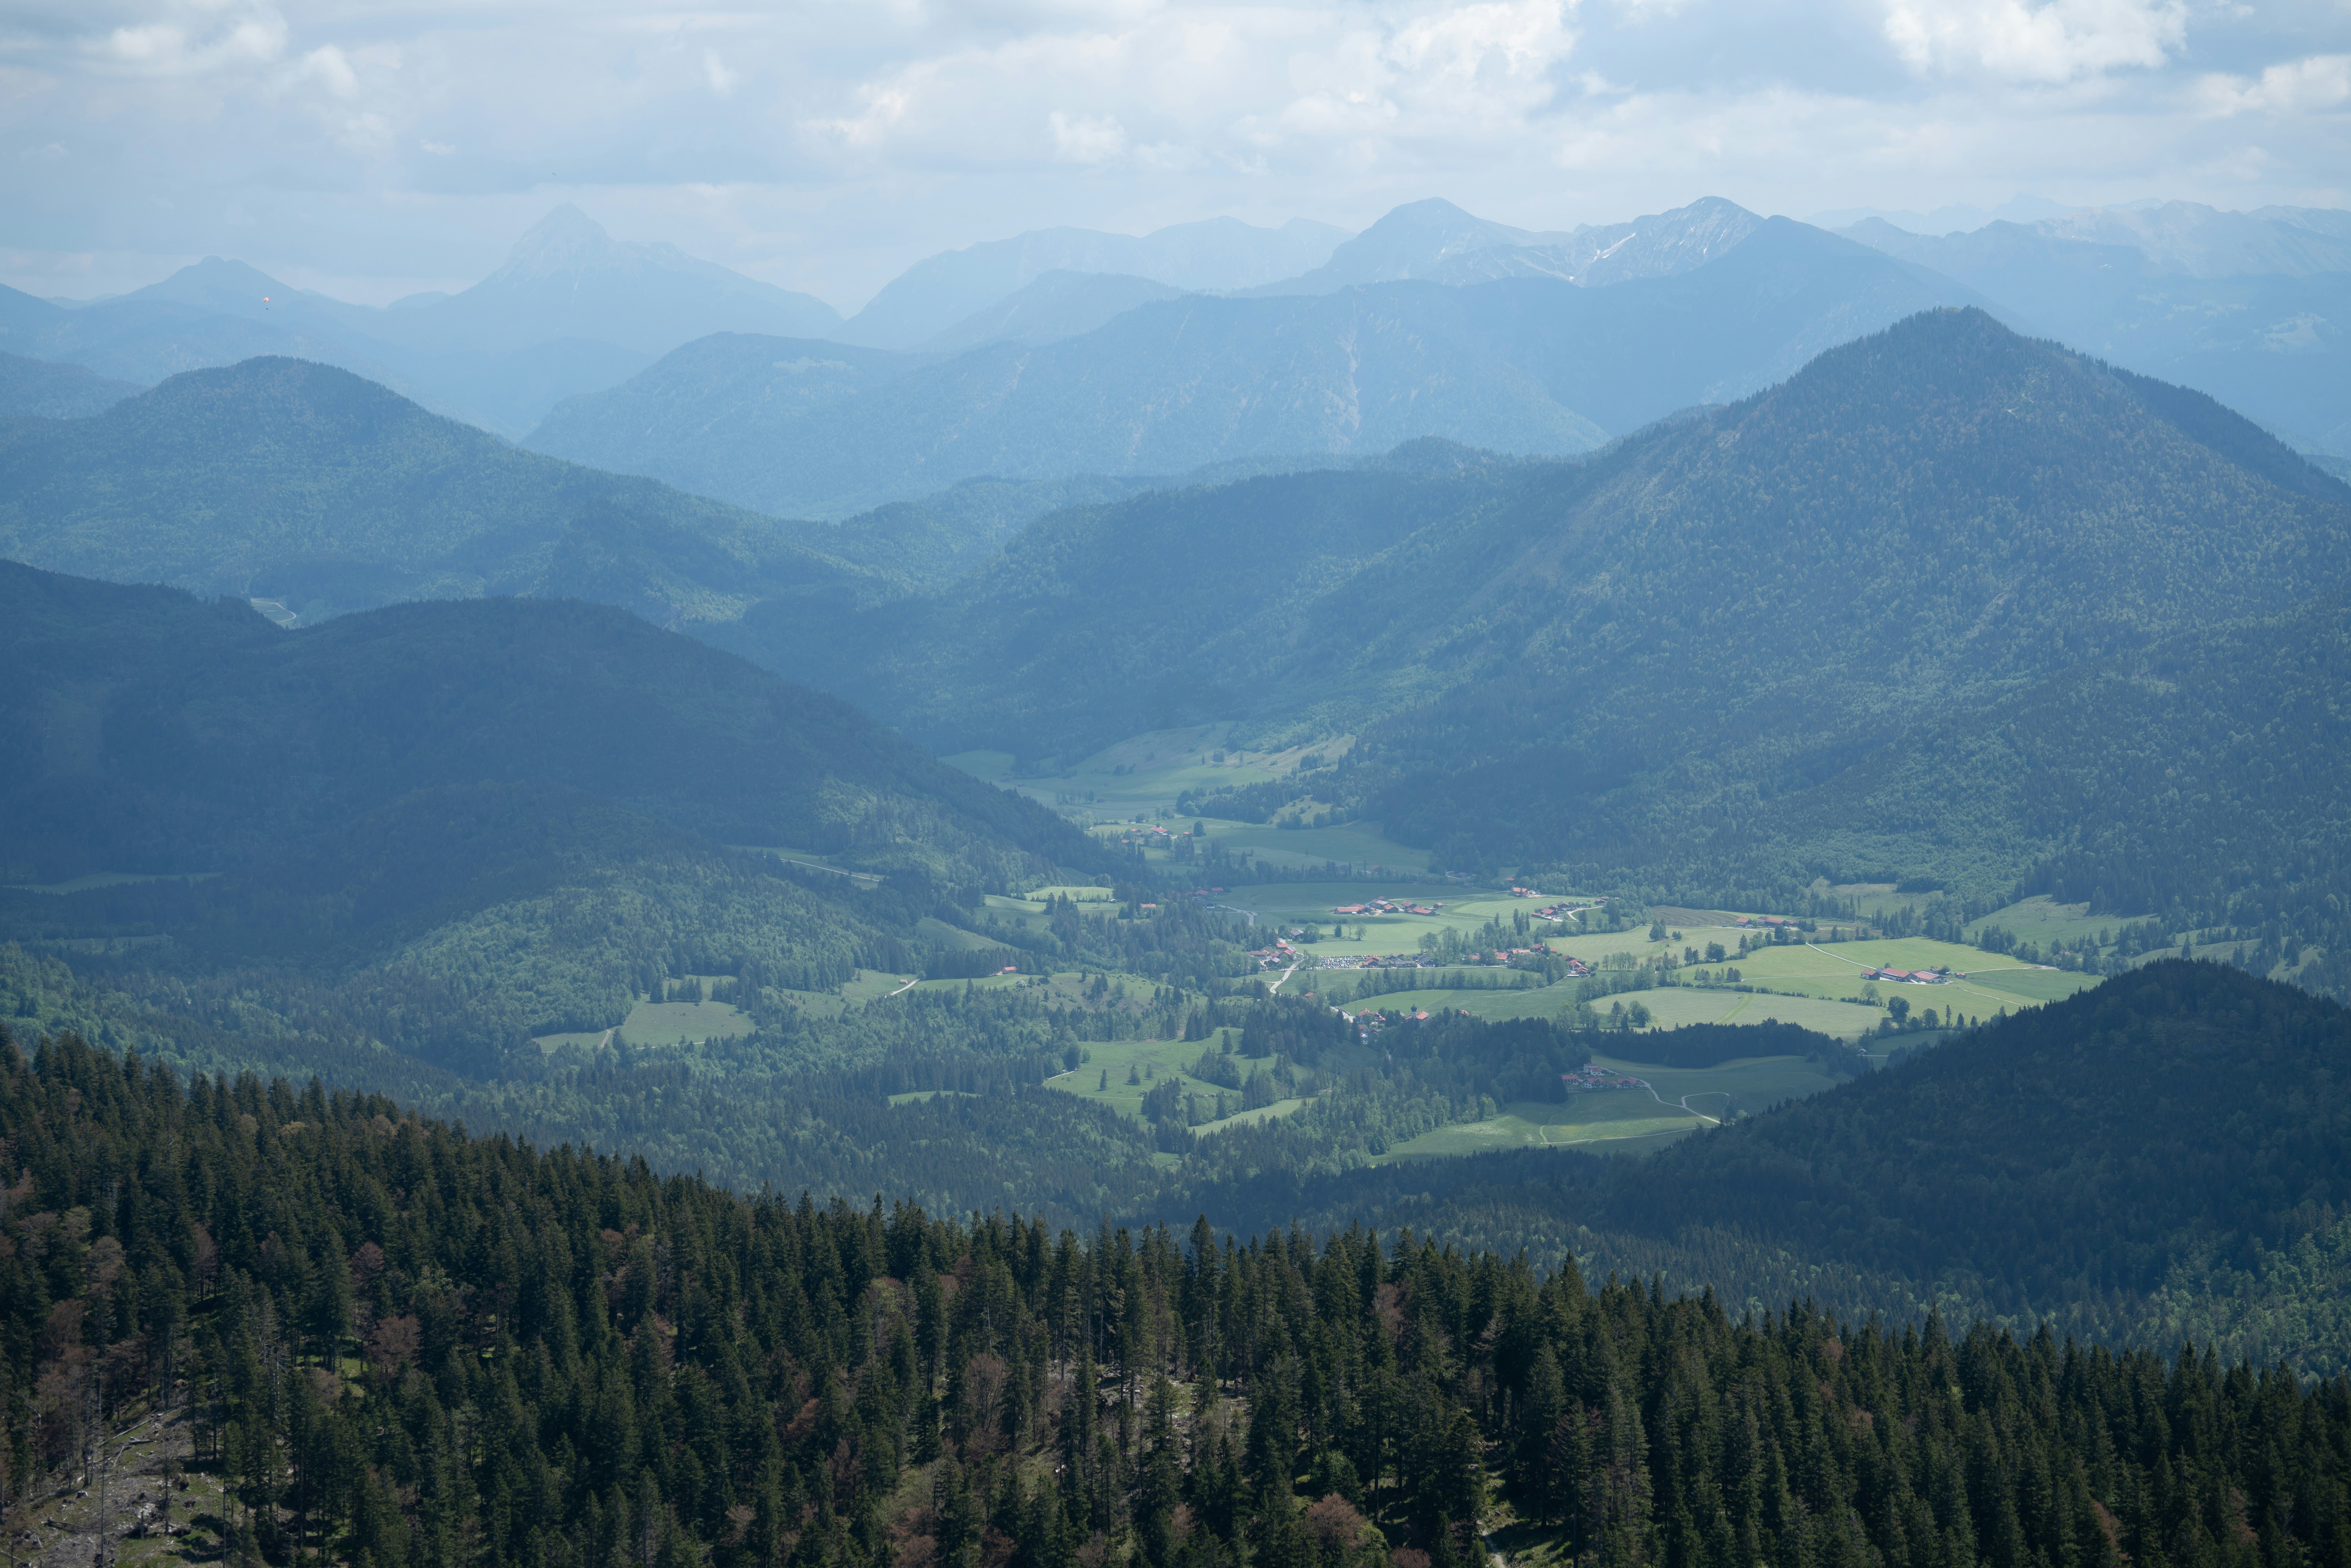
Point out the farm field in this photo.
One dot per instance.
(1835, 971)
(1144, 775)
(1669, 1006)
(2045, 921)
(1285, 906)
(1163, 1059)
(1624, 1121)
(1349, 843)
(663, 1023)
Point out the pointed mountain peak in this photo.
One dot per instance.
(565, 240)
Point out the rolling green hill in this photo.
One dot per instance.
(285, 480)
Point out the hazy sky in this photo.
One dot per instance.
(374, 148)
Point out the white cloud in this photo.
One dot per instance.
(329, 65)
(825, 144)
(714, 70)
(197, 40)
(1084, 138)
(2054, 41)
(2322, 81)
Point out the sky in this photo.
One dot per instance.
(374, 149)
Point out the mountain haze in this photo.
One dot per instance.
(1524, 365)
(1215, 255)
(281, 480)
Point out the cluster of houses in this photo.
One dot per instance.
(1386, 906)
(1558, 912)
(1590, 1077)
(1910, 977)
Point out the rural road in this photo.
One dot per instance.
(1684, 1102)
(909, 986)
(1285, 975)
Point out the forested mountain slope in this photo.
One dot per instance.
(451, 826)
(400, 1346)
(1942, 509)
(165, 734)
(2162, 1158)
(43, 389)
(1528, 364)
(1099, 621)
(281, 480)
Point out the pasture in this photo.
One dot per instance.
(1142, 776)
(1103, 1079)
(1620, 1121)
(1983, 983)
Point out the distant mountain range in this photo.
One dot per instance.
(1528, 364)
(1217, 256)
(1436, 242)
(2246, 306)
(571, 309)
(2252, 308)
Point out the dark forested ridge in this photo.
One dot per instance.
(369, 1339)
(174, 736)
(449, 827)
(2165, 1156)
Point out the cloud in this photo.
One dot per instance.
(2054, 41)
(1083, 139)
(722, 80)
(197, 40)
(2322, 81)
(825, 145)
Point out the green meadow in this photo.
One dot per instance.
(1103, 1079)
(1623, 1121)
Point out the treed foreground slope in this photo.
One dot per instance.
(401, 1346)
(452, 825)
(2165, 1156)
(278, 478)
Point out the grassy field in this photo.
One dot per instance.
(1163, 1058)
(1669, 1006)
(1143, 776)
(2053, 924)
(1626, 1121)
(1836, 971)
(1350, 843)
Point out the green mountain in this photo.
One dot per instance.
(455, 825)
(166, 734)
(1894, 616)
(283, 480)
(1525, 364)
(1940, 511)
(43, 389)
(2162, 1159)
